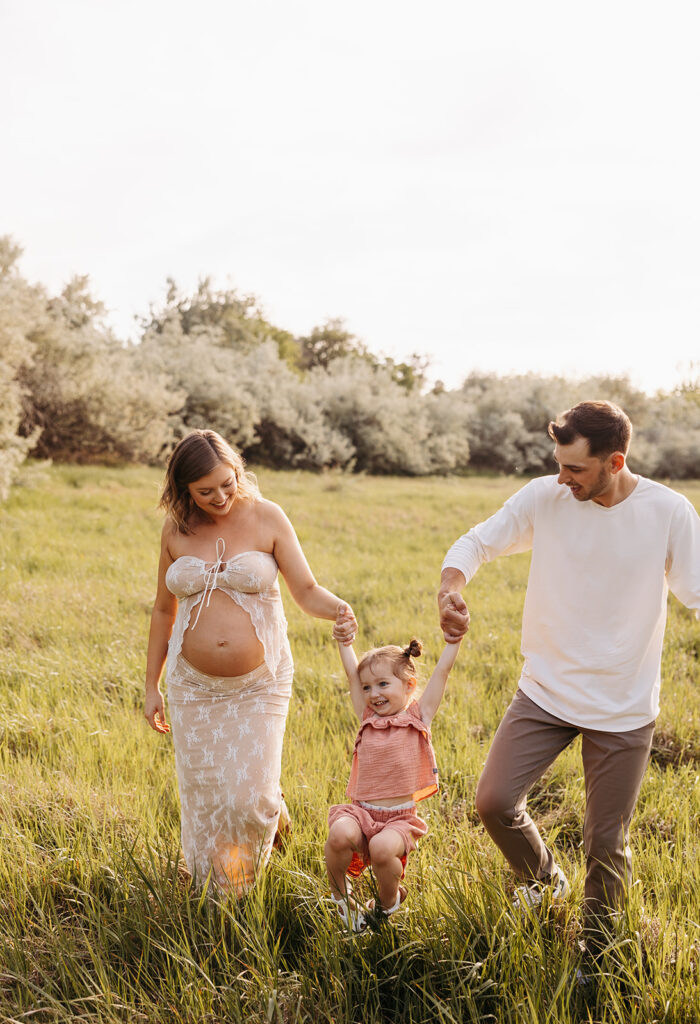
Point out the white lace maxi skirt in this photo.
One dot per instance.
(227, 733)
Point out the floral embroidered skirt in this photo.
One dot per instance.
(228, 733)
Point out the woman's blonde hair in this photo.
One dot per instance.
(195, 456)
(401, 658)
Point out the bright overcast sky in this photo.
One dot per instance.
(501, 186)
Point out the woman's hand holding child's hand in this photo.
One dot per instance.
(345, 626)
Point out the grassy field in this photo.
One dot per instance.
(97, 919)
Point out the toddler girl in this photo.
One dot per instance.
(393, 766)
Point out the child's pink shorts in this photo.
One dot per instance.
(371, 822)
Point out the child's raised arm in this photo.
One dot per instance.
(430, 699)
(349, 660)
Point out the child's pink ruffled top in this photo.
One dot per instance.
(393, 756)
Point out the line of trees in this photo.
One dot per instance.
(71, 391)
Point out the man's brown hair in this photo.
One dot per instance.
(604, 425)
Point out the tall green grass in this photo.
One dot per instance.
(98, 921)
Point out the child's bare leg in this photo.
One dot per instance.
(344, 839)
(385, 852)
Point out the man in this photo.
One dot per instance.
(606, 547)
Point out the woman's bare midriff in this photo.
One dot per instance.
(224, 642)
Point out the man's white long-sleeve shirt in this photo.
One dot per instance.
(595, 607)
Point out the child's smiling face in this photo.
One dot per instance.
(384, 692)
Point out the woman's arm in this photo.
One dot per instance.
(162, 619)
(432, 695)
(309, 595)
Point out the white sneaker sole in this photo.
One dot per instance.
(530, 897)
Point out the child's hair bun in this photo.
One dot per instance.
(414, 649)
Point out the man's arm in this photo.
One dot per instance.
(683, 560)
(506, 532)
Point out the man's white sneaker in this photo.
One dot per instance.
(529, 897)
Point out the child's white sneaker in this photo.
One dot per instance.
(529, 897)
(351, 913)
(376, 908)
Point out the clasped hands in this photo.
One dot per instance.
(345, 625)
(454, 616)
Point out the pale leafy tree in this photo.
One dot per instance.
(252, 397)
(447, 442)
(208, 377)
(21, 310)
(293, 428)
(690, 387)
(508, 418)
(669, 444)
(73, 391)
(391, 429)
(366, 406)
(85, 395)
(232, 320)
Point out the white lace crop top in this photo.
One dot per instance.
(249, 579)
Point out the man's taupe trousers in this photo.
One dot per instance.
(526, 743)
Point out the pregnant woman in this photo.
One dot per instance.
(218, 617)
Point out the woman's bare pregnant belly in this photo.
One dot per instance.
(224, 642)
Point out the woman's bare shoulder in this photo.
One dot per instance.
(270, 512)
(169, 536)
